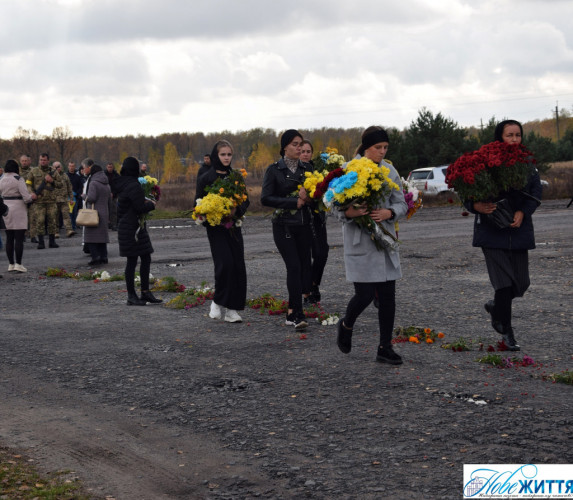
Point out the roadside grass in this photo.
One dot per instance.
(19, 480)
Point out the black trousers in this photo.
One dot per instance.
(15, 245)
(228, 253)
(293, 243)
(363, 296)
(319, 249)
(144, 270)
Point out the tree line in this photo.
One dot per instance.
(430, 140)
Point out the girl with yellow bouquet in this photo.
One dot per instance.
(224, 233)
(371, 254)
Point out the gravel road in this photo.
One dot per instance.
(155, 403)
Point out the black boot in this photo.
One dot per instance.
(41, 244)
(344, 337)
(34, 240)
(509, 339)
(149, 297)
(134, 300)
(53, 243)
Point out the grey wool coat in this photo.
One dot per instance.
(363, 261)
(98, 194)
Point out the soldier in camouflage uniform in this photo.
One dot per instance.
(64, 196)
(25, 167)
(44, 182)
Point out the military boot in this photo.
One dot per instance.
(41, 244)
(53, 243)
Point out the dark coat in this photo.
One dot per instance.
(131, 204)
(278, 185)
(98, 194)
(487, 235)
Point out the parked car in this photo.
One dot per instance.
(429, 180)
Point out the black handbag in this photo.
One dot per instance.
(502, 216)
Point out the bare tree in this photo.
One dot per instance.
(28, 142)
(65, 144)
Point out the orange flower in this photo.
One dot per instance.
(427, 330)
(429, 341)
(221, 190)
(414, 340)
(441, 335)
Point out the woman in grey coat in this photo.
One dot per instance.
(98, 193)
(372, 270)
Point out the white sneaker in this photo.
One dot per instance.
(232, 316)
(11, 268)
(215, 312)
(20, 268)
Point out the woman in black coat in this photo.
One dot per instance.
(506, 250)
(226, 242)
(292, 221)
(133, 239)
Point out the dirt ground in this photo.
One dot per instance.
(155, 403)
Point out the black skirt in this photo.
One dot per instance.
(508, 268)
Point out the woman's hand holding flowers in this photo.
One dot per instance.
(381, 214)
(356, 211)
(484, 207)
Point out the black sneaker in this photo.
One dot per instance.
(388, 355)
(296, 320)
(344, 337)
(509, 340)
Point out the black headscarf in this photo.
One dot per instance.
(11, 166)
(287, 138)
(215, 161)
(498, 134)
(129, 167)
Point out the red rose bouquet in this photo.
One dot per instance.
(483, 175)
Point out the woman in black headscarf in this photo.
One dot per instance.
(506, 249)
(291, 221)
(226, 242)
(133, 237)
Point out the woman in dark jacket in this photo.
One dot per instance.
(133, 238)
(506, 250)
(226, 243)
(97, 196)
(319, 248)
(291, 221)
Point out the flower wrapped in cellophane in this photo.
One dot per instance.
(412, 197)
(152, 192)
(225, 194)
(363, 183)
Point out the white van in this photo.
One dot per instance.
(429, 180)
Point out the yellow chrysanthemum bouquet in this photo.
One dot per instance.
(363, 183)
(225, 194)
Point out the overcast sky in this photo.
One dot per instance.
(117, 67)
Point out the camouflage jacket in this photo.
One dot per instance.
(65, 192)
(35, 181)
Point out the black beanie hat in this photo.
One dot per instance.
(130, 167)
(498, 134)
(287, 138)
(374, 137)
(11, 166)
